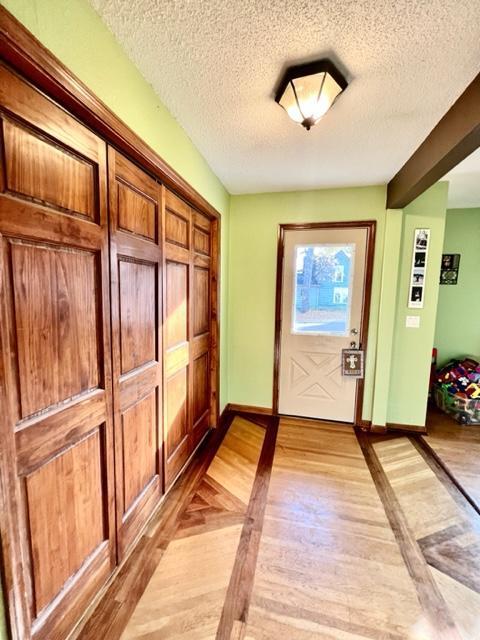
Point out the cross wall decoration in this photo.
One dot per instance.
(352, 363)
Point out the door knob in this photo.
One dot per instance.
(354, 332)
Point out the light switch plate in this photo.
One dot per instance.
(412, 322)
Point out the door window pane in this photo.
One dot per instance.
(323, 282)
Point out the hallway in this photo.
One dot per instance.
(213, 217)
(307, 530)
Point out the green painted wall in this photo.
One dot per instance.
(386, 315)
(254, 221)
(3, 625)
(224, 335)
(73, 31)
(411, 353)
(457, 330)
(398, 359)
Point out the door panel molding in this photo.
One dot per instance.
(136, 291)
(56, 441)
(190, 248)
(370, 227)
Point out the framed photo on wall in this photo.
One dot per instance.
(416, 290)
(449, 269)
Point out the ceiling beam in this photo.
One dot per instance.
(454, 138)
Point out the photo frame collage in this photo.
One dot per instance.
(416, 296)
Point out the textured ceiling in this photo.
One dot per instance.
(464, 188)
(215, 64)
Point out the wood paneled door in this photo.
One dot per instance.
(109, 338)
(135, 250)
(201, 331)
(56, 416)
(187, 331)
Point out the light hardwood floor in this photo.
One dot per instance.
(458, 447)
(329, 565)
(445, 527)
(185, 596)
(300, 530)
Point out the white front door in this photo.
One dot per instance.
(323, 291)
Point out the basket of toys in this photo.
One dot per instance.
(457, 390)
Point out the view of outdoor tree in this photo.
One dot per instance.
(322, 276)
(317, 264)
(323, 268)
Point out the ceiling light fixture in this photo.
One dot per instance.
(307, 91)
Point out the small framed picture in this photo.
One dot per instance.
(418, 275)
(449, 268)
(420, 257)
(416, 294)
(421, 239)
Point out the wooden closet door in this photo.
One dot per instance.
(201, 302)
(56, 426)
(177, 323)
(189, 410)
(135, 249)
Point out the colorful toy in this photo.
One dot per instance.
(473, 390)
(457, 390)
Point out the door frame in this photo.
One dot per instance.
(370, 226)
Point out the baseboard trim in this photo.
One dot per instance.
(408, 428)
(366, 425)
(391, 426)
(222, 417)
(247, 408)
(378, 428)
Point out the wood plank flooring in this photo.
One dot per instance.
(329, 565)
(186, 593)
(458, 449)
(302, 530)
(445, 526)
(108, 616)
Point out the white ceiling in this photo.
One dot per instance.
(215, 64)
(464, 179)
